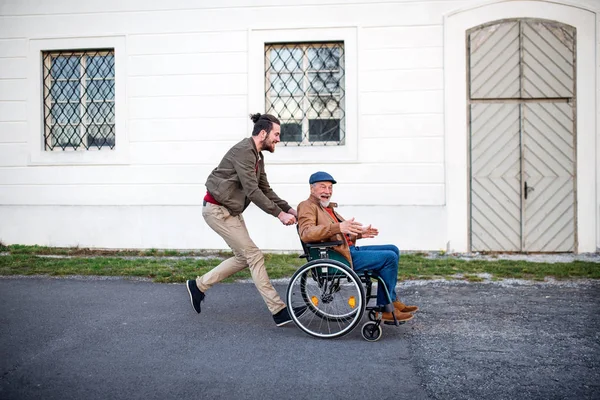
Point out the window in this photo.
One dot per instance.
(305, 90)
(79, 100)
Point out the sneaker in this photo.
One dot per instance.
(400, 316)
(196, 296)
(282, 317)
(400, 306)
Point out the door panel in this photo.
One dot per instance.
(548, 60)
(495, 177)
(549, 165)
(494, 61)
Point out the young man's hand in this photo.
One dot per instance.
(286, 219)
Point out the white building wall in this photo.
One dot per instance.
(189, 86)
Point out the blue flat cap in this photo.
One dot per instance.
(321, 177)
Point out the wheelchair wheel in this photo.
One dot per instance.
(326, 298)
(371, 331)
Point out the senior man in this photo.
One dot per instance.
(319, 222)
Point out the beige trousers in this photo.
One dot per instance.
(233, 230)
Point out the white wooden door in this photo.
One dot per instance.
(522, 136)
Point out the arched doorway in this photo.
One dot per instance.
(522, 136)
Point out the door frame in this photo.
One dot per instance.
(457, 125)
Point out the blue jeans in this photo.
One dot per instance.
(382, 260)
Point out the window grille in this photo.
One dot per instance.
(304, 88)
(79, 100)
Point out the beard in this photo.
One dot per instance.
(324, 203)
(268, 145)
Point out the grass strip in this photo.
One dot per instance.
(174, 266)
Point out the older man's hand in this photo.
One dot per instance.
(369, 232)
(351, 227)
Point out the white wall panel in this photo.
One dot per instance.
(214, 19)
(156, 153)
(13, 89)
(408, 227)
(13, 48)
(394, 37)
(13, 155)
(102, 227)
(187, 107)
(191, 194)
(106, 175)
(25, 7)
(403, 125)
(202, 42)
(188, 85)
(198, 172)
(13, 132)
(182, 227)
(405, 102)
(398, 80)
(409, 150)
(13, 68)
(371, 194)
(12, 111)
(189, 129)
(346, 174)
(416, 58)
(104, 195)
(182, 64)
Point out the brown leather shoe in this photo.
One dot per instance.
(400, 306)
(400, 316)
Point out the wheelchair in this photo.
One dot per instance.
(326, 298)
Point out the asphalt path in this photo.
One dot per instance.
(98, 338)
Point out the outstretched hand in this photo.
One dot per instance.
(369, 232)
(351, 227)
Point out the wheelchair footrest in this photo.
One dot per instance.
(393, 323)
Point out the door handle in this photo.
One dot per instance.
(528, 189)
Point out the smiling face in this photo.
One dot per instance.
(322, 191)
(271, 138)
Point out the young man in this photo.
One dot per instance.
(238, 180)
(319, 222)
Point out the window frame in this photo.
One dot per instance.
(306, 94)
(38, 154)
(82, 99)
(294, 154)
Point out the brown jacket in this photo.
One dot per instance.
(316, 225)
(240, 178)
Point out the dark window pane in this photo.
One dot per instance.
(79, 99)
(291, 132)
(101, 136)
(324, 130)
(65, 66)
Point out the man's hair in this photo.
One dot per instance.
(263, 121)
